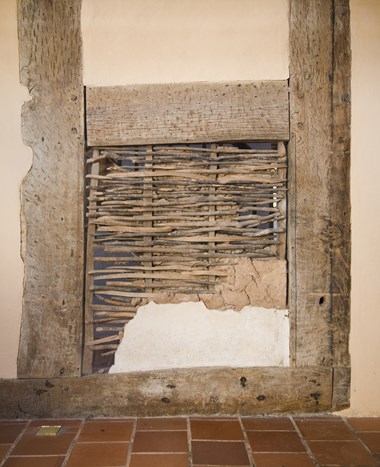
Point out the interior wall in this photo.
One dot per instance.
(157, 54)
(167, 41)
(15, 160)
(365, 180)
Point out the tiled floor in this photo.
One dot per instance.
(194, 441)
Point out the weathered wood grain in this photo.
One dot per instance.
(318, 182)
(341, 388)
(52, 192)
(340, 185)
(196, 112)
(309, 162)
(171, 392)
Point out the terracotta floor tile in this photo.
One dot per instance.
(364, 423)
(347, 453)
(103, 430)
(10, 431)
(282, 460)
(160, 441)
(159, 460)
(216, 430)
(4, 448)
(265, 423)
(275, 441)
(161, 424)
(43, 445)
(219, 453)
(98, 455)
(372, 440)
(217, 441)
(328, 430)
(48, 461)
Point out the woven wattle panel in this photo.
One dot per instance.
(164, 219)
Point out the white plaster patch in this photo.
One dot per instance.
(188, 335)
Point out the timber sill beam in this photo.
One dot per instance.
(203, 391)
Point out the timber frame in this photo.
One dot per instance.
(49, 364)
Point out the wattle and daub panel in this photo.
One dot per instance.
(171, 201)
(164, 220)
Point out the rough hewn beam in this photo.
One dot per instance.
(171, 392)
(319, 230)
(52, 192)
(340, 185)
(187, 113)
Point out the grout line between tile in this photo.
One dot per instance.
(218, 440)
(73, 443)
(282, 452)
(160, 430)
(269, 431)
(103, 442)
(13, 445)
(159, 452)
(304, 442)
(38, 455)
(365, 431)
(132, 440)
(246, 443)
(332, 440)
(189, 439)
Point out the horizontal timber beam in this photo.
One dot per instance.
(203, 391)
(187, 113)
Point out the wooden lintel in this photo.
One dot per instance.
(187, 113)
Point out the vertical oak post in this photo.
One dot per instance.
(50, 48)
(319, 177)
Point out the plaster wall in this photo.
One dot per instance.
(15, 160)
(168, 41)
(365, 179)
(233, 58)
(190, 335)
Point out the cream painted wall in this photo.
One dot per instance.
(150, 41)
(15, 160)
(232, 62)
(365, 181)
